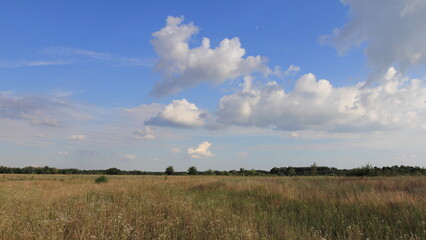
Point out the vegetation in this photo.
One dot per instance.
(212, 207)
(313, 170)
(192, 171)
(169, 170)
(101, 179)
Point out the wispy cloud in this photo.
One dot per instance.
(82, 55)
(60, 55)
(32, 63)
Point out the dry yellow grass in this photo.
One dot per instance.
(188, 207)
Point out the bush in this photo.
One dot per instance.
(101, 179)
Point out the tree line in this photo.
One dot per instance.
(312, 170)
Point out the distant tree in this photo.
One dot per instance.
(291, 172)
(192, 170)
(210, 172)
(314, 169)
(113, 171)
(170, 170)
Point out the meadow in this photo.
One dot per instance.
(211, 207)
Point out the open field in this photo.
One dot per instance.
(211, 207)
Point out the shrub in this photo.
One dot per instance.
(101, 179)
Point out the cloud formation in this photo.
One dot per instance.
(202, 151)
(316, 105)
(76, 137)
(46, 122)
(392, 30)
(146, 133)
(183, 67)
(41, 110)
(129, 157)
(75, 55)
(179, 113)
(32, 63)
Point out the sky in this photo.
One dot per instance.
(213, 84)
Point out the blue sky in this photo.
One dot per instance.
(217, 84)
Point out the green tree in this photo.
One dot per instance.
(113, 171)
(192, 170)
(170, 170)
(291, 172)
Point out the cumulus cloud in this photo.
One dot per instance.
(316, 105)
(76, 137)
(202, 151)
(146, 133)
(183, 67)
(179, 113)
(393, 31)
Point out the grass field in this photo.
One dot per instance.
(209, 207)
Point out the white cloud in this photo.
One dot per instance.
(82, 55)
(292, 70)
(22, 117)
(36, 109)
(65, 56)
(175, 150)
(183, 67)
(146, 133)
(179, 113)
(63, 153)
(129, 157)
(41, 110)
(393, 31)
(316, 105)
(46, 122)
(76, 137)
(34, 63)
(294, 134)
(202, 151)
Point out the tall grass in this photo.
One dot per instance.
(199, 207)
